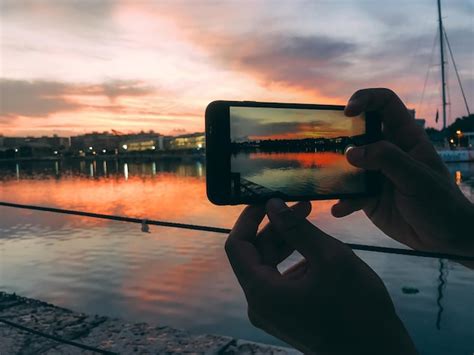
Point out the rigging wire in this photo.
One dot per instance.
(448, 92)
(456, 71)
(428, 71)
(142, 221)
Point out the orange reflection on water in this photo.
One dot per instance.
(306, 159)
(166, 196)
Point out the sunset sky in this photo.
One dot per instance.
(69, 67)
(250, 123)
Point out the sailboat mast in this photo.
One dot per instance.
(443, 78)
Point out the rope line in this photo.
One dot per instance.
(457, 73)
(56, 338)
(141, 221)
(420, 103)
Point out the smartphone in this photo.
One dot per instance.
(259, 150)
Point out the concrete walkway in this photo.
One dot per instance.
(105, 333)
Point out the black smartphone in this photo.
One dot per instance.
(259, 150)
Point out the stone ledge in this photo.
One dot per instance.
(106, 333)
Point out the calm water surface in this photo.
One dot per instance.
(300, 174)
(182, 278)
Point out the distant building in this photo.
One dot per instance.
(420, 122)
(146, 143)
(95, 142)
(54, 142)
(188, 142)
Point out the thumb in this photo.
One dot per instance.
(297, 231)
(404, 171)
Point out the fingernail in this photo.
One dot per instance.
(355, 154)
(276, 205)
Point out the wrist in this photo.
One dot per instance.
(387, 336)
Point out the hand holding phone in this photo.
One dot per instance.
(256, 151)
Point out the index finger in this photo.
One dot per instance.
(252, 274)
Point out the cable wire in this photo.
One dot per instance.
(142, 221)
(457, 73)
(430, 65)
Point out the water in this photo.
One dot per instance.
(182, 278)
(300, 173)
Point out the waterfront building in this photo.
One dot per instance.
(95, 142)
(54, 142)
(143, 144)
(187, 142)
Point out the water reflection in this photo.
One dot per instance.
(182, 278)
(125, 171)
(442, 279)
(458, 177)
(99, 169)
(294, 174)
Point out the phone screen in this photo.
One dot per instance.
(291, 153)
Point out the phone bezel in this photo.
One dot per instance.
(218, 151)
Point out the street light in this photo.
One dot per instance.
(125, 147)
(90, 148)
(459, 134)
(55, 152)
(16, 150)
(104, 151)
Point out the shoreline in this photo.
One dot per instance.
(106, 334)
(163, 156)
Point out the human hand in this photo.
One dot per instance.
(329, 303)
(420, 205)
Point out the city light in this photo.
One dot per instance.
(199, 145)
(153, 147)
(90, 148)
(55, 152)
(451, 140)
(125, 146)
(104, 151)
(16, 150)
(458, 132)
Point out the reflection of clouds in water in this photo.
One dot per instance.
(158, 190)
(182, 278)
(306, 160)
(300, 173)
(303, 182)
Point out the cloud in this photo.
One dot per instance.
(63, 14)
(242, 128)
(33, 99)
(41, 98)
(305, 62)
(114, 88)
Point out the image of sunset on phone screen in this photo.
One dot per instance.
(293, 152)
